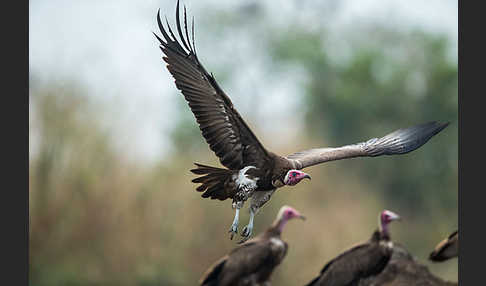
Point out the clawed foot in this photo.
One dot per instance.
(247, 230)
(246, 233)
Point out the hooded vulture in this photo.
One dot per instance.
(404, 270)
(361, 261)
(251, 170)
(252, 262)
(446, 249)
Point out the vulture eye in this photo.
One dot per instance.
(293, 174)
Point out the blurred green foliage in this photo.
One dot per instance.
(97, 218)
(381, 88)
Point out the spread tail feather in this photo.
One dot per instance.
(212, 182)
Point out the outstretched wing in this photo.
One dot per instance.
(400, 141)
(223, 128)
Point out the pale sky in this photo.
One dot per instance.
(108, 46)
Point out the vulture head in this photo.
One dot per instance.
(293, 177)
(285, 214)
(386, 217)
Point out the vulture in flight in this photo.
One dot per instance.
(446, 249)
(252, 262)
(361, 261)
(251, 170)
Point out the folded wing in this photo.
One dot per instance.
(400, 141)
(240, 264)
(350, 266)
(447, 248)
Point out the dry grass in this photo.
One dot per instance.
(98, 219)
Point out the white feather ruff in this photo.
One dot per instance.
(243, 182)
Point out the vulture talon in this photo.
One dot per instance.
(244, 236)
(247, 230)
(242, 241)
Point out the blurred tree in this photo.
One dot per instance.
(99, 219)
(391, 79)
(355, 84)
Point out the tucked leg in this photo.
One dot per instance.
(258, 199)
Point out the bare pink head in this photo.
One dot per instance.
(285, 214)
(293, 177)
(386, 217)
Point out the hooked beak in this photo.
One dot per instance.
(396, 217)
(302, 217)
(307, 176)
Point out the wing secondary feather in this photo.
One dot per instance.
(400, 141)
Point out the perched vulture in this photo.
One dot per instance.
(361, 261)
(252, 262)
(446, 249)
(251, 170)
(404, 270)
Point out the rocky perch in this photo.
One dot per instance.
(404, 270)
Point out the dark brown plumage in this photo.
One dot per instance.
(404, 270)
(446, 249)
(251, 169)
(362, 261)
(252, 262)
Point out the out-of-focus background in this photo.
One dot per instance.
(112, 140)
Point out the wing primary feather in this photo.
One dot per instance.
(179, 30)
(171, 33)
(171, 43)
(404, 140)
(158, 38)
(193, 42)
(161, 28)
(177, 46)
(400, 141)
(185, 27)
(222, 127)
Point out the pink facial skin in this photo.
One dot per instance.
(288, 213)
(386, 217)
(293, 177)
(291, 213)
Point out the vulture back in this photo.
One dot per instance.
(354, 264)
(404, 270)
(250, 263)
